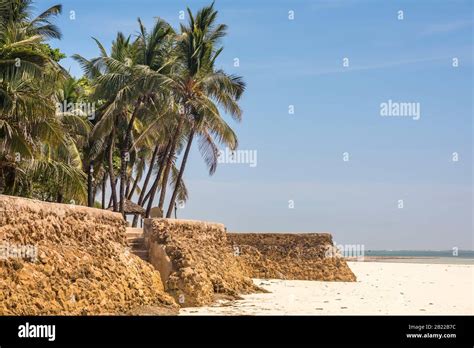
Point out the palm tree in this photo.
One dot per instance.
(156, 50)
(202, 89)
(36, 148)
(154, 95)
(19, 13)
(131, 82)
(105, 135)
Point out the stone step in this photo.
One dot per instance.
(134, 230)
(134, 234)
(136, 241)
(135, 237)
(141, 253)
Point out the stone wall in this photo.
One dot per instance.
(289, 256)
(71, 260)
(195, 260)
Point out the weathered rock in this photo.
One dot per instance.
(196, 261)
(289, 256)
(82, 264)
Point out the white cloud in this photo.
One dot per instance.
(444, 28)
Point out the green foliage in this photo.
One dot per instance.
(39, 147)
(151, 95)
(54, 53)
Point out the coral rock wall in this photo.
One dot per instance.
(289, 256)
(196, 261)
(70, 260)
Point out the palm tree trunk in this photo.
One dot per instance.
(104, 181)
(132, 190)
(94, 193)
(180, 175)
(124, 156)
(168, 167)
(123, 178)
(148, 194)
(110, 202)
(152, 193)
(2, 180)
(111, 172)
(145, 184)
(164, 182)
(90, 172)
(148, 174)
(127, 189)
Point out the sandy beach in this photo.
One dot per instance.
(382, 288)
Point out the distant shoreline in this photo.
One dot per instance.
(452, 260)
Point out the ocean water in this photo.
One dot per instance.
(424, 256)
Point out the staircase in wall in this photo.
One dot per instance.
(136, 240)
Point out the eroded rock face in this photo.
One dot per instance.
(198, 261)
(290, 256)
(82, 264)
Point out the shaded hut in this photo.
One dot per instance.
(131, 208)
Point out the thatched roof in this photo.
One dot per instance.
(131, 208)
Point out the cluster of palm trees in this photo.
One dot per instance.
(153, 95)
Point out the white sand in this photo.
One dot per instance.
(381, 288)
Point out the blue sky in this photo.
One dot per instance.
(337, 109)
